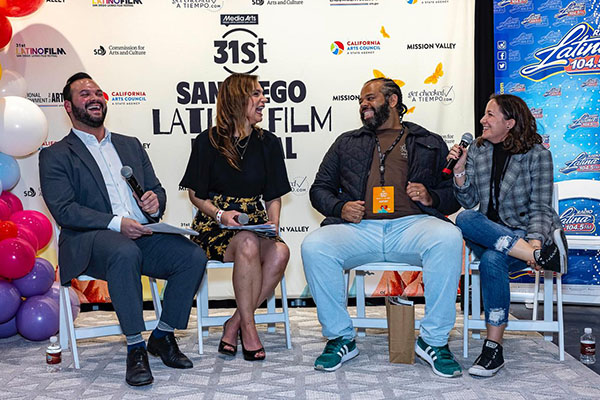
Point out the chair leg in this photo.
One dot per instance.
(347, 284)
(63, 330)
(155, 298)
(536, 295)
(360, 298)
(548, 301)
(476, 301)
(200, 310)
(466, 313)
(271, 310)
(284, 304)
(71, 325)
(559, 312)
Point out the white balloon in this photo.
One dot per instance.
(12, 84)
(23, 126)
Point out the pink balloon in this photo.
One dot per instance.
(4, 210)
(13, 201)
(27, 235)
(37, 222)
(17, 258)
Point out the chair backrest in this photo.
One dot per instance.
(579, 189)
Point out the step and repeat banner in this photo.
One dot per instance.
(160, 63)
(548, 53)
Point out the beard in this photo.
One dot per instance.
(381, 115)
(81, 115)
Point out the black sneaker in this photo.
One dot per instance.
(553, 256)
(489, 361)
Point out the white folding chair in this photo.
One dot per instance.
(473, 321)
(361, 322)
(69, 334)
(270, 317)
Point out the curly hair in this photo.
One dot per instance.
(232, 101)
(388, 88)
(523, 135)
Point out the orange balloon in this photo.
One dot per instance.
(5, 31)
(19, 8)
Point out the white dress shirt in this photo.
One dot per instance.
(120, 194)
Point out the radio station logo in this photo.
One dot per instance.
(573, 9)
(584, 162)
(522, 39)
(513, 55)
(592, 82)
(121, 50)
(535, 20)
(516, 87)
(126, 97)
(210, 5)
(354, 47)
(356, 3)
(546, 141)
(550, 5)
(509, 23)
(444, 95)
(239, 19)
(504, 3)
(578, 52)
(550, 37)
(299, 185)
(538, 113)
(277, 2)
(22, 50)
(429, 46)
(585, 121)
(554, 92)
(574, 220)
(240, 51)
(522, 7)
(51, 99)
(116, 3)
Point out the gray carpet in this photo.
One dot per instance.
(532, 370)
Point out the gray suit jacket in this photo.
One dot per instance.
(76, 195)
(525, 200)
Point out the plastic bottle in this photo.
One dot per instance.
(588, 347)
(53, 355)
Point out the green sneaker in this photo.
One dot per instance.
(440, 358)
(337, 351)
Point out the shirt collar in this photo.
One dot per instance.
(89, 139)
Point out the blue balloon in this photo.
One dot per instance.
(9, 171)
(37, 318)
(9, 328)
(10, 299)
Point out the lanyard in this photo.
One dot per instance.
(383, 156)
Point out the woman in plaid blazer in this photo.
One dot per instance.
(508, 173)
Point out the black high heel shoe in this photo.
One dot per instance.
(250, 355)
(222, 345)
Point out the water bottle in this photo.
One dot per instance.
(53, 355)
(588, 347)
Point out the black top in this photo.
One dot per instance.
(500, 160)
(263, 169)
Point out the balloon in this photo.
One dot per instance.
(12, 84)
(10, 298)
(8, 229)
(4, 210)
(16, 258)
(37, 318)
(27, 235)
(39, 224)
(23, 126)
(37, 281)
(54, 293)
(9, 171)
(5, 31)
(19, 8)
(13, 201)
(9, 328)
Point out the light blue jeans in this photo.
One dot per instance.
(491, 242)
(331, 249)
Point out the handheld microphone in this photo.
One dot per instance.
(241, 218)
(465, 141)
(127, 173)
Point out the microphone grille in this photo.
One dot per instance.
(467, 138)
(243, 219)
(126, 172)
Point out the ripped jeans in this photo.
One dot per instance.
(491, 242)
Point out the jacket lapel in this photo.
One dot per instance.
(86, 157)
(511, 175)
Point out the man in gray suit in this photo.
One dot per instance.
(103, 233)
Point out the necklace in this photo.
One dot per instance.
(241, 148)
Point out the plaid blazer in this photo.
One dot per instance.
(525, 200)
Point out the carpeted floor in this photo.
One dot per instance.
(532, 370)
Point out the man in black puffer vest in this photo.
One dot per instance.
(384, 199)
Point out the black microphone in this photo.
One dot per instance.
(241, 218)
(465, 141)
(127, 173)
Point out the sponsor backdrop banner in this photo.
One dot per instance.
(160, 63)
(547, 52)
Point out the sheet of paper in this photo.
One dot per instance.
(267, 229)
(163, 227)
